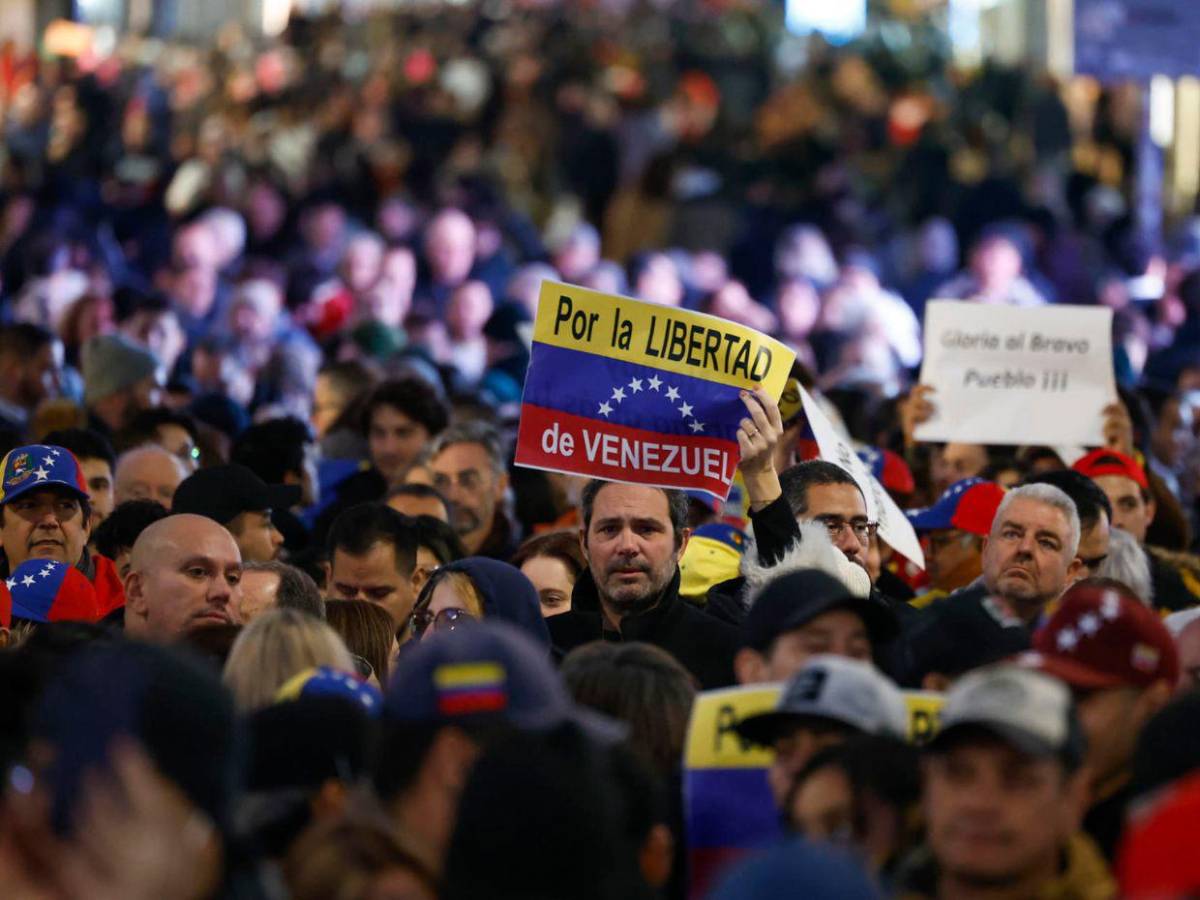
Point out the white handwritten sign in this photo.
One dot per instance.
(1007, 375)
(894, 528)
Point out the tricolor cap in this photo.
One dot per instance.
(38, 466)
(1029, 710)
(889, 469)
(486, 673)
(713, 554)
(1112, 462)
(1102, 636)
(969, 505)
(45, 590)
(323, 681)
(833, 689)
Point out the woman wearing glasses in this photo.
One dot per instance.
(477, 588)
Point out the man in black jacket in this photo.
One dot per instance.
(633, 537)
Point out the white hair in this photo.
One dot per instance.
(1127, 563)
(1050, 496)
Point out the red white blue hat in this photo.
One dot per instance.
(37, 466)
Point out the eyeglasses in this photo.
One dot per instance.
(863, 530)
(442, 620)
(362, 666)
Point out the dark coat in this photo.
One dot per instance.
(702, 643)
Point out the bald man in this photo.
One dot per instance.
(184, 571)
(148, 473)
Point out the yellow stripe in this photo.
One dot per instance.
(673, 340)
(466, 674)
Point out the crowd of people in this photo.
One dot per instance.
(280, 617)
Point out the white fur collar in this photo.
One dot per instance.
(814, 550)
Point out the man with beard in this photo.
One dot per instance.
(468, 465)
(633, 537)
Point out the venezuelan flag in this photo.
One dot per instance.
(630, 391)
(468, 688)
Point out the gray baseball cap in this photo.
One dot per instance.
(833, 689)
(1032, 711)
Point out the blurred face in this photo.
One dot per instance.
(795, 748)
(446, 596)
(997, 264)
(362, 262)
(43, 524)
(1026, 559)
(995, 816)
(192, 579)
(161, 333)
(463, 474)
(450, 247)
(470, 307)
(838, 631)
(327, 405)
(956, 462)
(631, 547)
(823, 806)
(1093, 546)
(257, 538)
(409, 505)
(840, 504)
(99, 478)
(554, 583)
(400, 265)
(1112, 719)
(1173, 436)
(259, 590)
(177, 441)
(659, 282)
(148, 475)
(799, 308)
(954, 558)
(1131, 511)
(394, 442)
(373, 577)
(42, 376)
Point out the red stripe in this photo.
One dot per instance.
(602, 450)
(472, 702)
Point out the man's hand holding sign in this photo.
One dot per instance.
(629, 391)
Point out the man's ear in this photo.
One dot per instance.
(684, 537)
(750, 667)
(135, 597)
(1075, 571)
(656, 856)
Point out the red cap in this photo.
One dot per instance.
(1111, 462)
(1103, 636)
(968, 505)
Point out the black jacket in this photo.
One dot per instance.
(702, 643)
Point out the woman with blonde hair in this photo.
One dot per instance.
(276, 646)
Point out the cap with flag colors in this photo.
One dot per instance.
(969, 505)
(44, 590)
(39, 466)
(324, 681)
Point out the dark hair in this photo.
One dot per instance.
(474, 432)
(439, 539)
(1089, 499)
(296, 590)
(411, 396)
(886, 768)
(677, 506)
(23, 339)
(84, 443)
(796, 481)
(367, 629)
(360, 527)
(127, 520)
(560, 545)
(419, 491)
(143, 427)
(272, 449)
(638, 684)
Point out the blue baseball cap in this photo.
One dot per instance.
(37, 466)
(323, 681)
(486, 673)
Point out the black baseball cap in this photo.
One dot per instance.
(796, 598)
(222, 493)
(961, 634)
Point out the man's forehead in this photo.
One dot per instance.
(843, 499)
(1031, 513)
(630, 501)
(463, 457)
(1118, 485)
(380, 556)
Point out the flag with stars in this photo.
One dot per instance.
(38, 466)
(631, 391)
(45, 590)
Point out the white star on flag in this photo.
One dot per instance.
(41, 473)
(1088, 623)
(47, 460)
(655, 383)
(605, 409)
(55, 452)
(1067, 639)
(635, 385)
(1111, 608)
(672, 394)
(618, 394)
(685, 410)
(46, 572)
(27, 580)
(10, 583)
(696, 425)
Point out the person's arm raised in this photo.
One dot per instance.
(758, 435)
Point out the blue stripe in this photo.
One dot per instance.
(729, 808)
(577, 382)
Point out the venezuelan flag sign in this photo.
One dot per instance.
(727, 804)
(631, 391)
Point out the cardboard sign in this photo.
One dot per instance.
(728, 807)
(631, 391)
(894, 528)
(1006, 375)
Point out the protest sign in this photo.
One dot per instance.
(894, 528)
(728, 808)
(631, 391)
(1007, 375)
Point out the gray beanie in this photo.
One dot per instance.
(112, 363)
